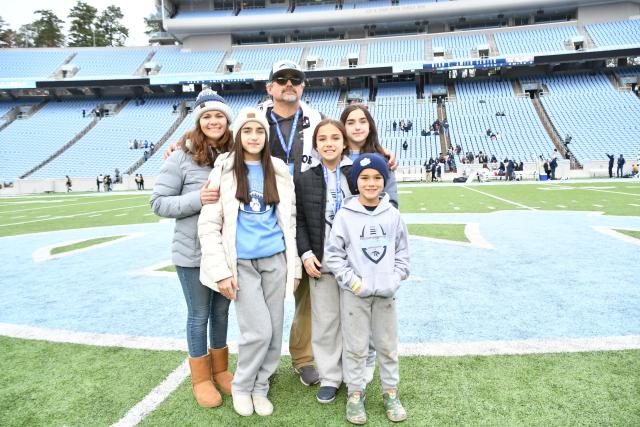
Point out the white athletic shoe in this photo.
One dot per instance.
(262, 405)
(243, 404)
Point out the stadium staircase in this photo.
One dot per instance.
(553, 132)
(57, 73)
(493, 46)
(303, 58)
(221, 67)
(362, 59)
(158, 145)
(451, 91)
(588, 41)
(517, 88)
(445, 139)
(75, 139)
(141, 70)
(428, 49)
(617, 84)
(14, 112)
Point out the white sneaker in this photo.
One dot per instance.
(262, 405)
(368, 373)
(243, 404)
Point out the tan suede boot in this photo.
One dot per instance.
(203, 390)
(219, 372)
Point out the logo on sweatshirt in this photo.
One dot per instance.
(374, 242)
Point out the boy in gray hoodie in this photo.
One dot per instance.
(368, 254)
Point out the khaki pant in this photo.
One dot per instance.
(300, 336)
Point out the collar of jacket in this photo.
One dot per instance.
(351, 203)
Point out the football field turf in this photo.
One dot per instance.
(493, 228)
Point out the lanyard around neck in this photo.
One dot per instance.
(338, 203)
(294, 127)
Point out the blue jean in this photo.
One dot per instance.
(204, 306)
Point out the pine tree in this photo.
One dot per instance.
(109, 29)
(83, 21)
(48, 32)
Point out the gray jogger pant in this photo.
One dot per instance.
(326, 335)
(260, 313)
(362, 318)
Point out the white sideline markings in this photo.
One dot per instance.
(155, 397)
(479, 348)
(44, 253)
(471, 231)
(617, 235)
(499, 198)
(88, 214)
(532, 346)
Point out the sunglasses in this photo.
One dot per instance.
(282, 81)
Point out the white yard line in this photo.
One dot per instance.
(499, 198)
(88, 214)
(67, 205)
(152, 400)
(608, 191)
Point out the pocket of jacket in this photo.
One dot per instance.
(379, 284)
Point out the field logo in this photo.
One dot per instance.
(374, 242)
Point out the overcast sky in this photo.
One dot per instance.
(16, 14)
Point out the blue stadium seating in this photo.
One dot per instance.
(529, 42)
(617, 33)
(107, 143)
(521, 135)
(461, 46)
(27, 142)
(105, 62)
(175, 60)
(599, 118)
(333, 53)
(17, 63)
(395, 51)
(256, 59)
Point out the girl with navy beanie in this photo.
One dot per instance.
(180, 192)
(252, 228)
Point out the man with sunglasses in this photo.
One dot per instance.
(292, 123)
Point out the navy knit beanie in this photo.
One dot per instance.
(369, 161)
(209, 100)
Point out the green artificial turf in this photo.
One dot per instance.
(439, 231)
(83, 244)
(64, 212)
(54, 384)
(595, 389)
(632, 233)
(169, 268)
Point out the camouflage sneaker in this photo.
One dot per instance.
(393, 407)
(355, 408)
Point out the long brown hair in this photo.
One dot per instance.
(338, 125)
(270, 190)
(372, 143)
(200, 150)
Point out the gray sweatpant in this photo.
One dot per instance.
(363, 318)
(326, 336)
(260, 312)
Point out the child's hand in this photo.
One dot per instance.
(356, 286)
(311, 265)
(228, 287)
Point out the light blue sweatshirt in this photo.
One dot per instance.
(370, 245)
(258, 234)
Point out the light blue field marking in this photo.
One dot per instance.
(549, 276)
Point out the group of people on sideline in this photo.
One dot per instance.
(281, 201)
